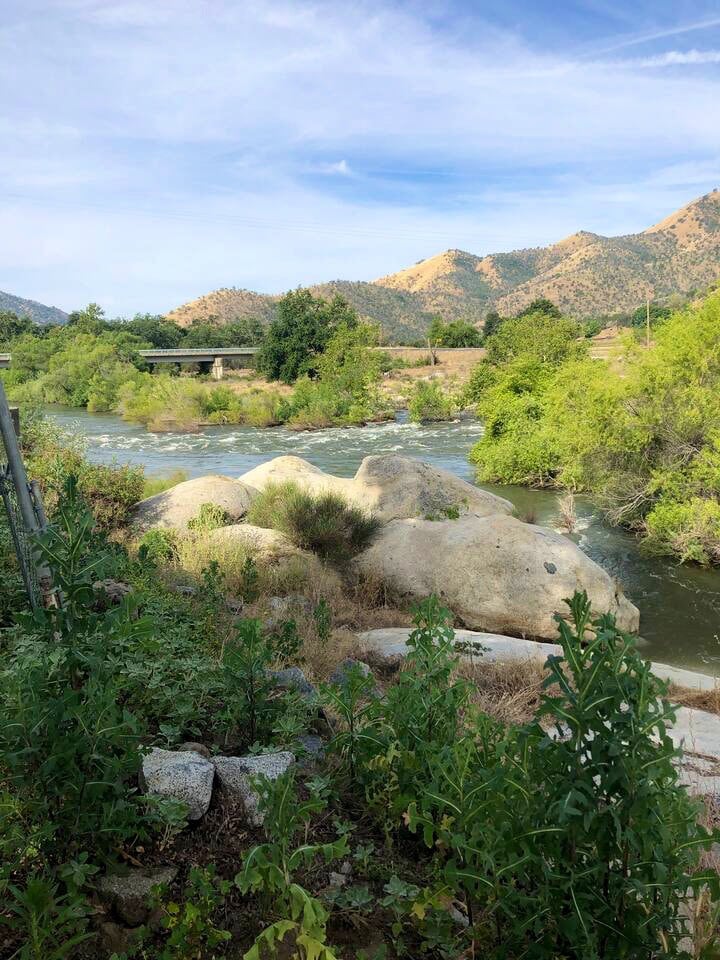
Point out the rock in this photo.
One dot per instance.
(115, 939)
(313, 748)
(490, 571)
(260, 541)
(292, 678)
(236, 774)
(389, 486)
(337, 880)
(128, 895)
(173, 508)
(339, 676)
(181, 775)
(293, 604)
(191, 747)
(113, 590)
(391, 643)
(394, 487)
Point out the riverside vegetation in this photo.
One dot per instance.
(428, 828)
(640, 432)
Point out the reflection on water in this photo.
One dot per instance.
(679, 606)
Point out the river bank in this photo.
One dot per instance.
(679, 605)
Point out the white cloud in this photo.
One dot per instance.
(673, 58)
(159, 150)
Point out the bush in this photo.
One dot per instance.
(210, 517)
(324, 523)
(429, 403)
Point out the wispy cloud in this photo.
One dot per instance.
(675, 58)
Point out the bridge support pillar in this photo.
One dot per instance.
(217, 369)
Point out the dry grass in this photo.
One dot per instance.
(708, 700)
(508, 690)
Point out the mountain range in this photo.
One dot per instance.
(585, 274)
(31, 308)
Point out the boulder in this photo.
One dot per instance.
(260, 541)
(341, 673)
(128, 895)
(394, 487)
(495, 573)
(173, 508)
(388, 485)
(292, 678)
(236, 776)
(181, 775)
(388, 643)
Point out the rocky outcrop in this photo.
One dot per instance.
(495, 573)
(236, 777)
(180, 775)
(173, 508)
(388, 486)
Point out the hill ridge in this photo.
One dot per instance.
(585, 273)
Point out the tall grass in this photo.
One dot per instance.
(324, 523)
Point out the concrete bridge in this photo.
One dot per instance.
(209, 359)
(4, 360)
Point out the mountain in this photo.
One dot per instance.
(38, 311)
(585, 274)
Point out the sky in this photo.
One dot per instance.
(154, 150)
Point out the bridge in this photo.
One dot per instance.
(4, 360)
(209, 359)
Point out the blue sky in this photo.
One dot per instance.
(153, 151)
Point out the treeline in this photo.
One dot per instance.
(640, 432)
(319, 347)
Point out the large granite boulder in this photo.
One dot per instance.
(180, 775)
(495, 573)
(173, 508)
(129, 894)
(388, 486)
(394, 487)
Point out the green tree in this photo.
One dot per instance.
(550, 339)
(541, 305)
(12, 326)
(456, 333)
(300, 333)
(155, 330)
(89, 320)
(493, 320)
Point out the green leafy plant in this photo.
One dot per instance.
(190, 924)
(209, 517)
(51, 924)
(271, 868)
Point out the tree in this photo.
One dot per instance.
(11, 325)
(300, 333)
(539, 335)
(243, 332)
(89, 320)
(161, 333)
(493, 320)
(456, 333)
(541, 305)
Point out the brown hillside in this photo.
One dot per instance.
(585, 274)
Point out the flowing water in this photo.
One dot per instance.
(679, 605)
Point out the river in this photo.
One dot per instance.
(679, 605)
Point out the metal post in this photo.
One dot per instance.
(23, 493)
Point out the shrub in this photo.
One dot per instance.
(210, 517)
(324, 523)
(429, 403)
(155, 485)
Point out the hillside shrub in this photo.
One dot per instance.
(324, 523)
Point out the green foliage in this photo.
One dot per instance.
(209, 517)
(455, 333)
(12, 326)
(271, 868)
(190, 924)
(51, 924)
(158, 546)
(324, 523)
(300, 332)
(155, 485)
(646, 444)
(68, 745)
(492, 323)
(345, 388)
(538, 335)
(430, 403)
